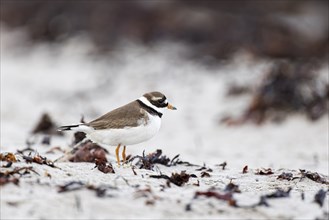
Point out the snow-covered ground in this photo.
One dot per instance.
(69, 80)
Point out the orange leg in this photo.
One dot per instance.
(124, 154)
(117, 154)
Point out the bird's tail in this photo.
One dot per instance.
(78, 127)
(67, 127)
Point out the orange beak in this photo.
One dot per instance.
(171, 107)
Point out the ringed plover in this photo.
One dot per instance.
(130, 124)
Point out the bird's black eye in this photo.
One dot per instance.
(161, 101)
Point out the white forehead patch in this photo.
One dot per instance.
(156, 98)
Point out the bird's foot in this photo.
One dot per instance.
(126, 165)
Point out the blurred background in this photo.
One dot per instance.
(249, 78)
(213, 29)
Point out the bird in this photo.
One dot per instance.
(133, 123)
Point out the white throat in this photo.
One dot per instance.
(149, 104)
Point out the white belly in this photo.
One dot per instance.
(128, 135)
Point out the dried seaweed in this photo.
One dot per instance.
(313, 176)
(103, 166)
(8, 179)
(197, 183)
(148, 194)
(46, 140)
(285, 176)
(133, 169)
(205, 174)
(186, 163)
(179, 179)
(9, 157)
(88, 152)
(205, 168)
(18, 170)
(233, 188)
(9, 164)
(143, 192)
(175, 160)
(148, 161)
(262, 202)
(279, 193)
(27, 149)
(46, 126)
(320, 196)
(223, 165)
(188, 207)
(289, 87)
(245, 169)
(39, 160)
(71, 186)
(264, 171)
(228, 196)
(8, 176)
(101, 191)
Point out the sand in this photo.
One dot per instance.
(68, 81)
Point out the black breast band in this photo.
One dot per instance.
(149, 109)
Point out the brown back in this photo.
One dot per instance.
(125, 116)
